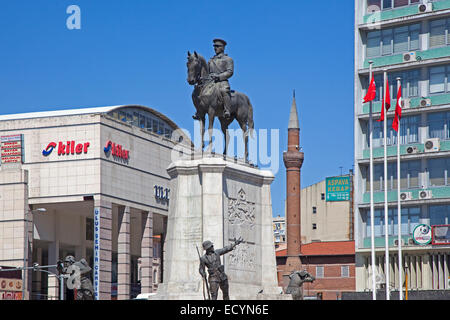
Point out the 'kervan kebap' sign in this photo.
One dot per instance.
(338, 188)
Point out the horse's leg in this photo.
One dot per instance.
(202, 131)
(210, 129)
(226, 134)
(244, 129)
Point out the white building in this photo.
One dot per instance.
(407, 39)
(72, 163)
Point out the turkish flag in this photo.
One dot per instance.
(371, 92)
(398, 110)
(386, 101)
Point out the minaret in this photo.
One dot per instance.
(293, 160)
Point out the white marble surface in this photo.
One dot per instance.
(216, 199)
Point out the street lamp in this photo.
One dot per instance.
(24, 276)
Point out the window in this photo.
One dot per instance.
(410, 219)
(322, 196)
(90, 229)
(393, 41)
(439, 215)
(376, 5)
(409, 132)
(439, 170)
(439, 125)
(319, 272)
(409, 81)
(314, 226)
(439, 35)
(314, 210)
(345, 271)
(438, 79)
(409, 176)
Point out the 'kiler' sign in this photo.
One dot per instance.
(116, 150)
(65, 149)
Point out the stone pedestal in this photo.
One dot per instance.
(219, 200)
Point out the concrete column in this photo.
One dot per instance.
(147, 253)
(53, 283)
(413, 266)
(105, 248)
(37, 276)
(419, 271)
(427, 272)
(446, 272)
(434, 263)
(123, 254)
(440, 267)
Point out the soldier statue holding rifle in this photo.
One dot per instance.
(217, 276)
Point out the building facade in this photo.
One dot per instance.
(319, 224)
(279, 230)
(91, 183)
(407, 39)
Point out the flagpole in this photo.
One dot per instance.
(386, 210)
(399, 206)
(372, 211)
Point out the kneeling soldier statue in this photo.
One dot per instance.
(217, 276)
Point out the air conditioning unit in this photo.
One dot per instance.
(406, 196)
(411, 241)
(406, 103)
(432, 145)
(409, 57)
(425, 7)
(411, 150)
(401, 241)
(425, 194)
(425, 103)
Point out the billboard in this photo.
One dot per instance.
(441, 235)
(11, 148)
(338, 188)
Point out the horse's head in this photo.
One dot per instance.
(195, 64)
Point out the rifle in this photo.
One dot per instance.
(205, 282)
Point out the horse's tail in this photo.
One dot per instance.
(251, 124)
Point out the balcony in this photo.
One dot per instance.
(403, 13)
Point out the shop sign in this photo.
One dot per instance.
(338, 189)
(96, 253)
(70, 147)
(422, 234)
(10, 284)
(116, 150)
(11, 148)
(161, 193)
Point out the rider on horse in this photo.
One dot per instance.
(221, 68)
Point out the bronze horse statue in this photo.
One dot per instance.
(208, 101)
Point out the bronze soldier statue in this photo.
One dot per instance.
(295, 287)
(217, 276)
(221, 68)
(86, 289)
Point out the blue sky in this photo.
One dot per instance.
(134, 52)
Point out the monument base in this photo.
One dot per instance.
(219, 200)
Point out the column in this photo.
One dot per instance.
(413, 272)
(123, 255)
(419, 272)
(104, 247)
(434, 260)
(53, 283)
(440, 268)
(427, 273)
(147, 253)
(446, 273)
(37, 276)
